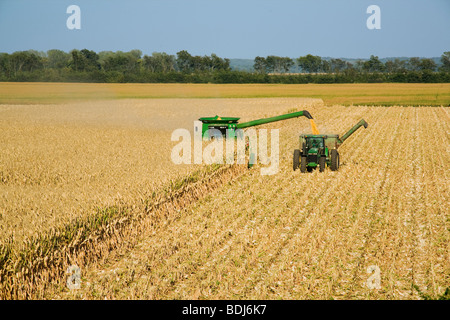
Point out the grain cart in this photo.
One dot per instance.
(320, 150)
(231, 124)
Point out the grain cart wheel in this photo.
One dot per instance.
(334, 160)
(322, 164)
(296, 159)
(303, 165)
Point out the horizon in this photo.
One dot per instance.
(323, 57)
(232, 29)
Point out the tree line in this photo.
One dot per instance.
(107, 66)
(315, 64)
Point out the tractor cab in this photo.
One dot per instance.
(314, 144)
(314, 149)
(313, 154)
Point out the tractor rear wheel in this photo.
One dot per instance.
(322, 164)
(334, 160)
(296, 159)
(303, 165)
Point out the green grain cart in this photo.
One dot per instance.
(319, 150)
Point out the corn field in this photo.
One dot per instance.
(91, 184)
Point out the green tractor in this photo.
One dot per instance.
(318, 150)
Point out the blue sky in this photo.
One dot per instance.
(231, 28)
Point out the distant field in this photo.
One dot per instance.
(331, 94)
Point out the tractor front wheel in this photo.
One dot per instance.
(303, 165)
(334, 160)
(296, 159)
(322, 164)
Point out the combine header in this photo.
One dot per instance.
(320, 150)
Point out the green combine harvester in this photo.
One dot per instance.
(232, 124)
(318, 150)
(227, 126)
